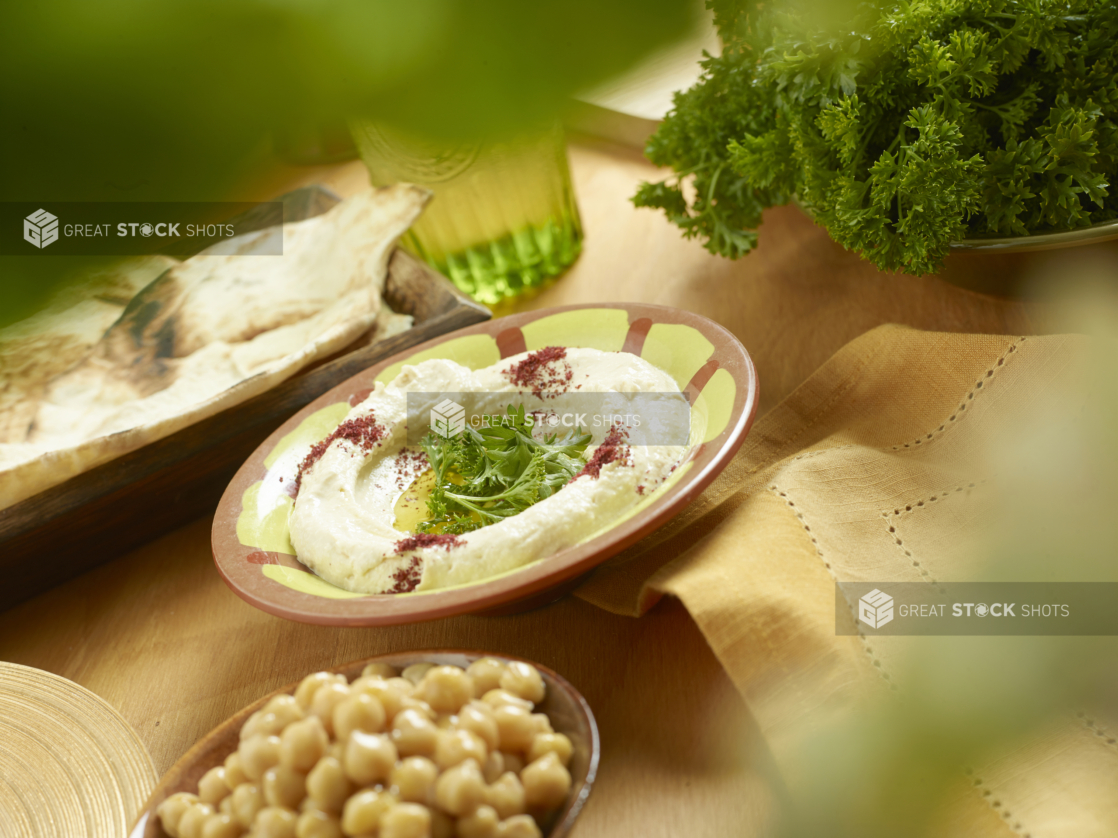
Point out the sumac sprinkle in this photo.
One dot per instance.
(427, 539)
(406, 579)
(543, 370)
(409, 465)
(362, 432)
(613, 449)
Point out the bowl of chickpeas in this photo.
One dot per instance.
(434, 744)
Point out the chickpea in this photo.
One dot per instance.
(284, 786)
(363, 810)
(453, 747)
(486, 673)
(304, 693)
(446, 721)
(555, 743)
(193, 819)
(226, 806)
(494, 766)
(274, 822)
(326, 698)
(461, 789)
(506, 796)
(273, 717)
(314, 823)
(481, 824)
(286, 707)
(327, 785)
(274, 724)
(369, 758)
(414, 734)
(513, 762)
(258, 754)
(404, 685)
(503, 698)
(406, 820)
(477, 717)
(221, 826)
(413, 780)
(519, 826)
(248, 800)
(382, 670)
(172, 809)
(303, 743)
(366, 680)
(336, 750)
(412, 703)
(416, 671)
(517, 727)
(445, 688)
(212, 788)
(254, 727)
(358, 712)
(546, 782)
(523, 680)
(389, 695)
(234, 771)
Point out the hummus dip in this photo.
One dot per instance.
(342, 523)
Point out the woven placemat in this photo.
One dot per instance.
(70, 765)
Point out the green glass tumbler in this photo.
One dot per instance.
(503, 219)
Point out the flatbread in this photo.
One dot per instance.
(208, 333)
(36, 350)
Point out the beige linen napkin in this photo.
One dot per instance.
(870, 471)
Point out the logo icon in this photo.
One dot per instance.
(448, 419)
(875, 608)
(40, 228)
(146, 230)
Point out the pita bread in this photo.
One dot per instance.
(36, 350)
(208, 333)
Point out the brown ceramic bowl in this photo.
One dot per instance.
(251, 547)
(567, 709)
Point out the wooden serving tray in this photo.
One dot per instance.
(115, 507)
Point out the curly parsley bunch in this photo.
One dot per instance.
(482, 477)
(923, 123)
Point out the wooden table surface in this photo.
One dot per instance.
(158, 635)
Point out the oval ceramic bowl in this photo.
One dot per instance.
(251, 544)
(1104, 231)
(567, 709)
(1096, 233)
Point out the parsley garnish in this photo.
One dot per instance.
(484, 476)
(920, 123)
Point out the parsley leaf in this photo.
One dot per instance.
(484, 476)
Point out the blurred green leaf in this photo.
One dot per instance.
(126, 100)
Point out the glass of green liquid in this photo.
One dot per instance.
(503, 219)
